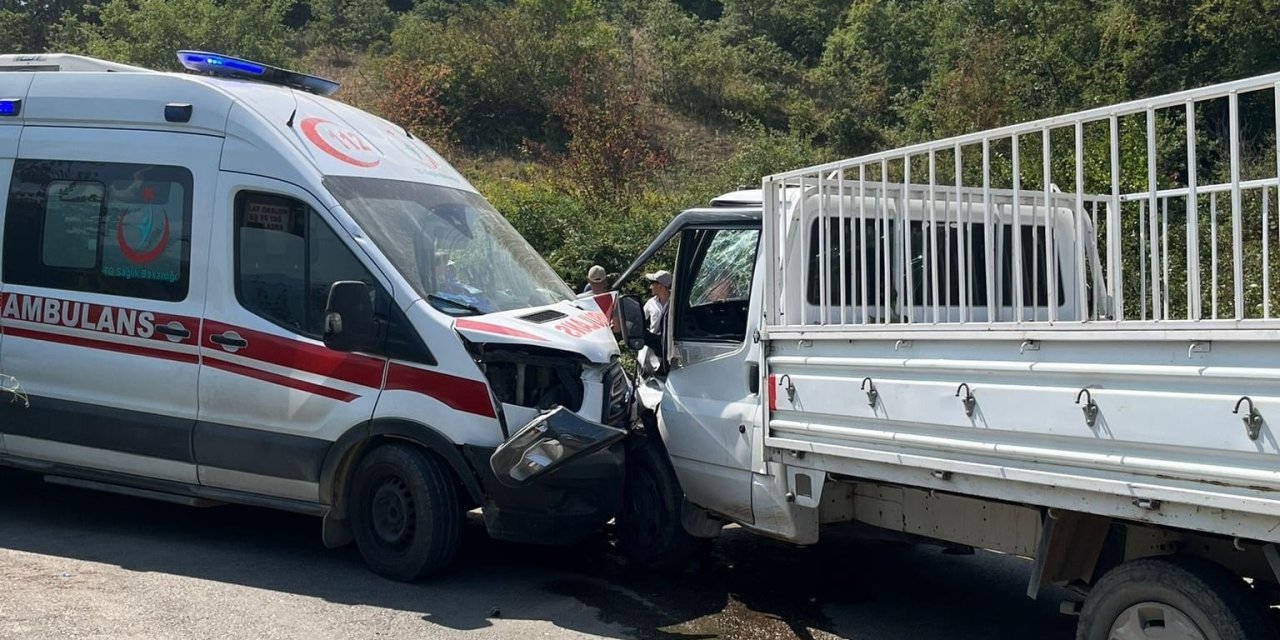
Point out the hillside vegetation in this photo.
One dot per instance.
(590, 123)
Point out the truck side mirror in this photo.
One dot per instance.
(631, 319)
(348, 317)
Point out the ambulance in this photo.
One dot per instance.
(222, 286)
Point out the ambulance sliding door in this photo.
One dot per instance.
(104, 267)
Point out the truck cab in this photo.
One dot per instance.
(704, 398)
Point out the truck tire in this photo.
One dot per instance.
(405, 513)
(1182, 597)
(650, 533)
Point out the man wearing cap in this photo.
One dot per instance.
(655, 309)
(596, 283)
(655, 312)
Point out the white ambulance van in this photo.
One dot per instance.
(223, 287)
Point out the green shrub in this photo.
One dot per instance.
(148, 33)
(350, 24)
(507, 61)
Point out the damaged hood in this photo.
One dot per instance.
(580, 326)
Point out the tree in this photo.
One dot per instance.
(608, 157)
(13, 32)
(148, 33)
(872, 67)
(712, 71)
(1156, 46)
(410, 97)
(507, 61)
(25, 24)
(799, 27)
(351, 24)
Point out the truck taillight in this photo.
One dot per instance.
(773, 393)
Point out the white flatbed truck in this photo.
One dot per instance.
(1055, 340)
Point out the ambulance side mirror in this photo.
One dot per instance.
(631, 319)
(348, 317)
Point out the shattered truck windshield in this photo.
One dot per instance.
(452, 246)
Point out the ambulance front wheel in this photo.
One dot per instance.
(650, 532)
(405, 514)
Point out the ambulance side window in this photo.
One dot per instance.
(99, 227)
(287, 256)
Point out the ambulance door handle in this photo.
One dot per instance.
(229, 339)
(173, 330)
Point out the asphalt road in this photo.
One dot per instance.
(81, 564)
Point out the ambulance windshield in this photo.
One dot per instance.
(452, 246)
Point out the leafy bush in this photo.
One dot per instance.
(351, 24)
(409, 95)
(149, 32)
(14, 32)
(507, 61)
(763, 152)
(707, 69)
(570, 233)
(607, 157)
(798, 27)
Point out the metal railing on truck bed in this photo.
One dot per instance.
(1152, 214)
(1073, 313)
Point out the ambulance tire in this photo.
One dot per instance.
(1178, 596)
(649, 531)
(405, 513)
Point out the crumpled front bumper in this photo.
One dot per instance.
(557, 480)
(563, 507)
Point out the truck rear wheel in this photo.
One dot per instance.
(650, 532)
(405, 512)
(1180, 597)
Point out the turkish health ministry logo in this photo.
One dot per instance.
(142, 234)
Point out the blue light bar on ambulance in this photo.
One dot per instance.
(11, 107)
(218, 65)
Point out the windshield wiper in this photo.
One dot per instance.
(457, 304)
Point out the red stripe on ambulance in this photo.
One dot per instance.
(496, 329)
(462, 394)
(104, 322)
(277, 379)
(296, 354)
(118, 347)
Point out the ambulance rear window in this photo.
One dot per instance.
(99, 227)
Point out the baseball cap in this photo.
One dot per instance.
(596, 274)
(661, 277)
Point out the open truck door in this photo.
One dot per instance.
(700, 406)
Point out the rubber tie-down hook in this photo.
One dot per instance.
(873, 396)
(1252, 420)
(1090, 408)
(791, 388)
(969, 401)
